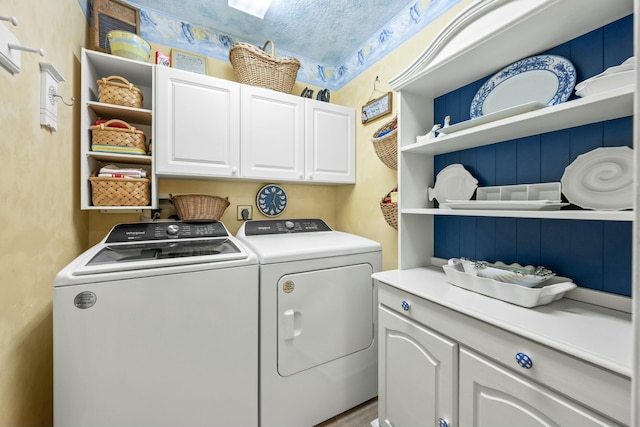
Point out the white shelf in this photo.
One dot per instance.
(120, 158)
(128, 114)
(606, 106)
(95, 66)
(560, 214)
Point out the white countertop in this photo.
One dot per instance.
(599, 335)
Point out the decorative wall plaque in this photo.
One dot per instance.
(113, 15)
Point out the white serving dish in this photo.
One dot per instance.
(611, 78)
(506, 205)
(600, 179)
(502, 114)
(453, 183)
(548, 79)
(514, 273)
(606, 83)
(551, 290)
(548, 191)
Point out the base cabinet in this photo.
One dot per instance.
(493, 396)
(417, 374)
(440, 367)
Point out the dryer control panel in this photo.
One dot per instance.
(284, 226)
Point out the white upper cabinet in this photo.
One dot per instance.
(290, 138)
(272, 136)
(197, 126)
(330, 148)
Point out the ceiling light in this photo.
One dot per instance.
(252, 7)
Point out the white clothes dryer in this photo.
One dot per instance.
(318, 319)
(157, 326)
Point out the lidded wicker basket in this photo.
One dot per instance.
(390, 210)
(386, 146)
(117, 90)
(120, 191)
(199, 207)
(106, 137)
(256, 67)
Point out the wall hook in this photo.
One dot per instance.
(26, 49)
(375, 89)
(53, 95)
(11, 19)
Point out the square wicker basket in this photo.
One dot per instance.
(117, 90)
(124, 139)
(120, 191)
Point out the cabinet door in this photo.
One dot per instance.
(330, 143)
(491, 396)
(417, 374)
(272, 135)
(197, 125)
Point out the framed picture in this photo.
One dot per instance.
(188, 61)
(377, 108)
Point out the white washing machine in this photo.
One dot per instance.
(157, 326)
(318, 347)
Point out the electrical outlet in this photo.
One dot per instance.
(241, 208)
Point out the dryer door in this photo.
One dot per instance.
(324, 315)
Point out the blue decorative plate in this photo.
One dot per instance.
(548, 79)
(271, 200)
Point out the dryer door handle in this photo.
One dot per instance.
(291, 324)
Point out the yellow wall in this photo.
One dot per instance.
(42, 227)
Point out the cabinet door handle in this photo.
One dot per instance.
(442, 422)
(524, 360)
(406, 306)
(234, 171)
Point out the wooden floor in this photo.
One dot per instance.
(360, 416)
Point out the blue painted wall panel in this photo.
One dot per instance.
(595, 254)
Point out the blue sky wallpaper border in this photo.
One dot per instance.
(164, 29)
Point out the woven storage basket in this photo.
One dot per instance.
(120, 191)
(117, 90)
(103, 134)
(387, 146)
(199, 207)
(258, 68)
(390, 210)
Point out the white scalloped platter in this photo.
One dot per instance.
(601, 179)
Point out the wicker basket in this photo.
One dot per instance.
(390, 210)
(199, 207)
(117, 90)
(120, 191)
(386, 146)
(127, 137)
(258, 68)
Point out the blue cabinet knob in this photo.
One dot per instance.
(406, 306)
(442, 422)
(524, 360)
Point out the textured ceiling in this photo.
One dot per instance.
(327, 31)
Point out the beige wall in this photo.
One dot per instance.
(43, 227)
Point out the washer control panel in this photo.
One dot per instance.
(284, 226)
(148, 231)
